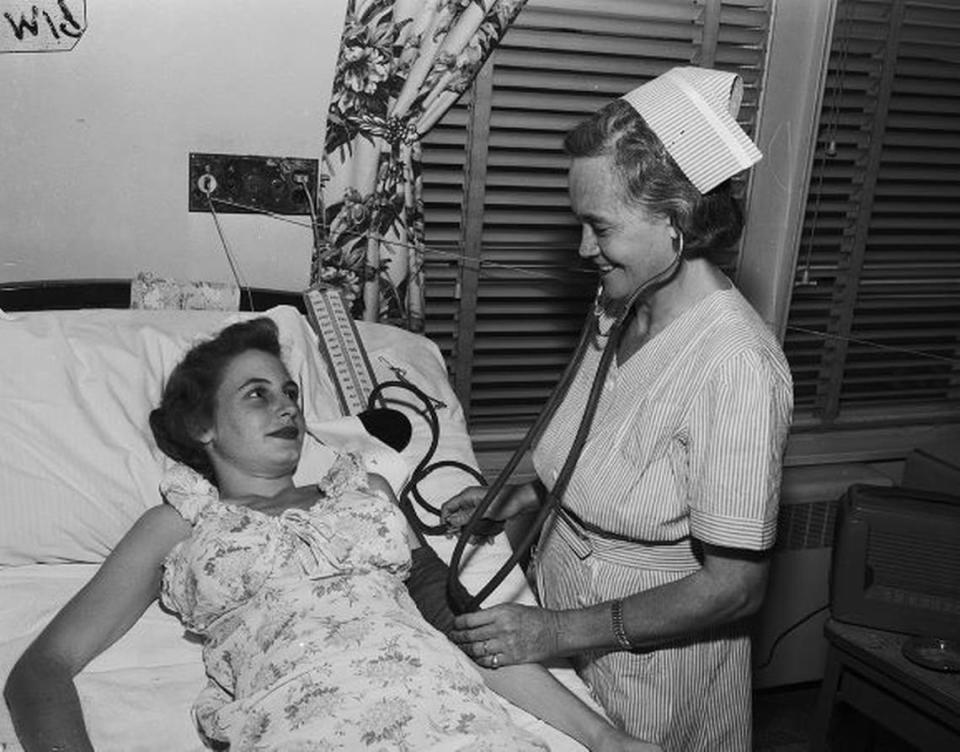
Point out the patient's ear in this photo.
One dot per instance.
(200, 433)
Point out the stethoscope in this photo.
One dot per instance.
(553, 501)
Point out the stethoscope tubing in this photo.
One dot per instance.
(553, 501)
(425, 467)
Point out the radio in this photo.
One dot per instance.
(896, 561)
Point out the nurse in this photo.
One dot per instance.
(657, 555)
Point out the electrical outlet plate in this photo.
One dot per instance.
(252, 184)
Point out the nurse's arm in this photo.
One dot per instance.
(729, 586)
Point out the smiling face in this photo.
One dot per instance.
(627, 244)
(257, 432)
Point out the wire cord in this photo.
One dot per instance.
(234, 268)
(796, 625)
(489, 269)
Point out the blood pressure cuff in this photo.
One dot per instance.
(392, 427)
(427, 585)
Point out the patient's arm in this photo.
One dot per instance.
(530, 686)
(533, 688)
(40, 691)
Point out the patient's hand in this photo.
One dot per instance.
(620, 741)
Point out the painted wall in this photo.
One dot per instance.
(94, 141)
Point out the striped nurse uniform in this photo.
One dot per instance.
(686, 446)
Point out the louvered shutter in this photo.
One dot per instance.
(874, 325)
(506, 295)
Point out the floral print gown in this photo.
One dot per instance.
(311, 641)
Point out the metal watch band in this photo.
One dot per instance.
(616, 617)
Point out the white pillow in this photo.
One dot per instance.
(78, 464)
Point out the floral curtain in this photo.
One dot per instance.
(402, 64)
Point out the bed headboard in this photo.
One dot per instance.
(52, 295)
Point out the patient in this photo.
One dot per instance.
(311, 641)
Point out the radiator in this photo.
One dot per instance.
(799, 574)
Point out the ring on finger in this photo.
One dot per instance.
(495, 662)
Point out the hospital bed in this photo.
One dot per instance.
(78, 466)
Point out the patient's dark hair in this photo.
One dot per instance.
(710, 222)
(189, 397)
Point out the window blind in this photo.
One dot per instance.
(506, 295)
(874, 326)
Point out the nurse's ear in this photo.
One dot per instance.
(677, 237)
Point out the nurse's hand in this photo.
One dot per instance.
(507, 634)
(511, 501)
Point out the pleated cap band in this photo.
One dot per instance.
(693, 112)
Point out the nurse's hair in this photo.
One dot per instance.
(710, 223)
(189, 398)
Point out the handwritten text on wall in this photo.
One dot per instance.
(41, 25)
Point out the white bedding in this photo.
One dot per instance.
(137, 695)
(77, 468)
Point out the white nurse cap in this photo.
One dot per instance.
(693, 112)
